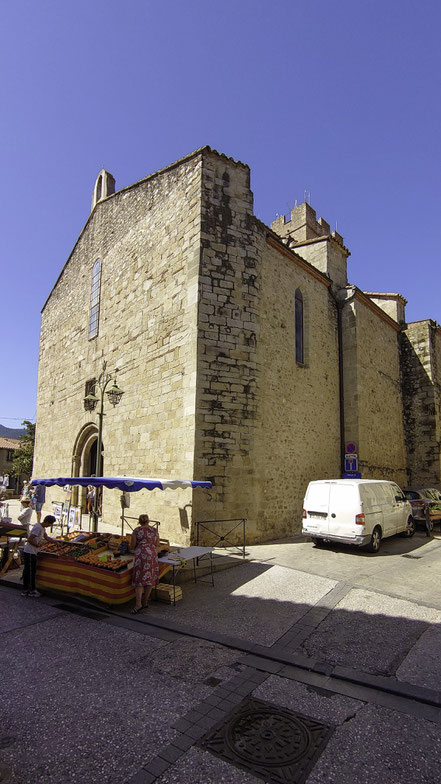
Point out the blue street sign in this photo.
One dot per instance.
(351, 475)
(351, 464)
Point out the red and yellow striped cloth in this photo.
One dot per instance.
(69, 576)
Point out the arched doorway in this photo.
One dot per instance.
(84, 460)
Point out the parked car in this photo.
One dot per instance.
(423, 498)
(356, 511)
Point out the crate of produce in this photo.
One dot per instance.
(164, 593)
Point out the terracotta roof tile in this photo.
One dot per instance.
(9, 443)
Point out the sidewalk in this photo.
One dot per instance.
(304, 631)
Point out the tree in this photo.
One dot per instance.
(24, 455)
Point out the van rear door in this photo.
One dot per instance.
(316, 505)
(344, 505)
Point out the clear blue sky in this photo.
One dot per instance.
(341, 99)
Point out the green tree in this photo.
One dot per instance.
(24, 455)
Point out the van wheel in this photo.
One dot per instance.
(375, 543)
(410, 529)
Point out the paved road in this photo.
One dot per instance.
(347, 640)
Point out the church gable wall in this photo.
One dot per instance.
(147, 237)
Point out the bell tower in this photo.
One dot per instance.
(104, 187)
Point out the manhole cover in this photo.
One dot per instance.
(270, 742)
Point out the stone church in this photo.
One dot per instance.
(244, 354)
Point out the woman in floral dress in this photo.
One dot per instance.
(144, 543)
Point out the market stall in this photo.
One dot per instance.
(76, 569)
(98, 565)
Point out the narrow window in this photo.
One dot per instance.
(94, 312)
(90, 387)
(299, 325)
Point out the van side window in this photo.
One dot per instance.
(397, 492)
(388, 493)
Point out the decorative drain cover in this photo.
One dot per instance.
(267, 741)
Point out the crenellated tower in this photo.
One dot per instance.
(313, 240)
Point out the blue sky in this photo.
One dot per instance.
(339, 99)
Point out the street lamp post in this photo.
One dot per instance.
(114, 395)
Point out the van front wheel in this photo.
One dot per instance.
(410, 528)
(375, 543)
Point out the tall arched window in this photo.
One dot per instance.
(299, 326)
(94, 311)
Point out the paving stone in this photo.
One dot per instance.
(258, 677)
(156, 766)
(206, 721)
(213, 700)
(216, 714)
(170, 753)
(183, 742)
(142, 777)
(182, 725)
(192, 716)
(196, 732)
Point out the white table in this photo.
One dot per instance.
(179, 557)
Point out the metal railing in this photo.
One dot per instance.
(223, 539)
(125, 518)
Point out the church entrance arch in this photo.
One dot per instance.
(84, 461)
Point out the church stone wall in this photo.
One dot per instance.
(421, 369)
(147, 237)
(376, 393)
(260, 438)
(298, 423)
(228, 333)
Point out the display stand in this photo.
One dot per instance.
(177, 560)
(12, 536)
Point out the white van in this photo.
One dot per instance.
(356, 511)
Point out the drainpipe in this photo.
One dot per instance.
(340, 302)
(340, 384)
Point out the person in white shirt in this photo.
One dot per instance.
(30, 550)
(25, 490)
(26, 514)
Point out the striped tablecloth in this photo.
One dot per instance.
(69, 576)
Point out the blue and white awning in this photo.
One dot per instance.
(128, 484)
